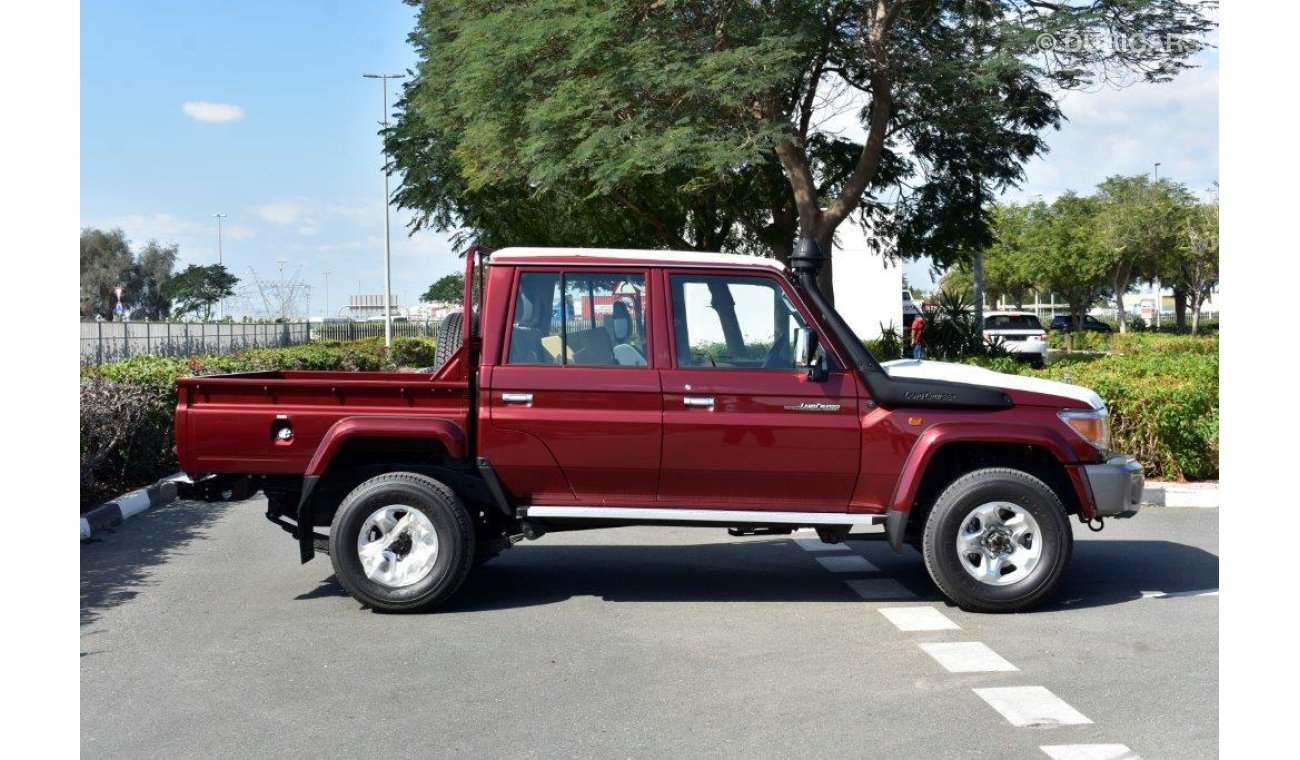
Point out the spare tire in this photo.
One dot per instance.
(449, 338)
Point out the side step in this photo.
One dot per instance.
(724, 517)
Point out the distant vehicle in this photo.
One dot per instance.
(911, 309)
(1020, 333)
(1065, 323)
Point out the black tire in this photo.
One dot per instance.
(449, 338)
(451, 523)
(958, 503)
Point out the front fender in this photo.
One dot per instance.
(937, 436)
(446, 432)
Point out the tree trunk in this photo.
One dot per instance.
(1180, 309)
(1197, 300)
(978, 271)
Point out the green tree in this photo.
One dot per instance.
(1139, 221)
(1196, 271)
(148, 279)
(198, 288)
(106, 263)
(1062, 244)
(449, 289)
(709, 125)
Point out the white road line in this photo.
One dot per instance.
(1172, 594)
(879, 589)
(967, 657)
(919, 619)
(1089, 752)
(817, 545)
(1032, 706)
(847, 563)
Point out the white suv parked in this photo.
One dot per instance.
(1020, 333)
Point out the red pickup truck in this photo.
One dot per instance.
(600, 388)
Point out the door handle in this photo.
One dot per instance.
(703, 402)
(517, 398)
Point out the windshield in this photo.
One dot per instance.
(1012, 322)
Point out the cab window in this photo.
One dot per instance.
(733, 322)
(593, 319)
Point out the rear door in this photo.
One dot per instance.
(743, 427)
(575, 388)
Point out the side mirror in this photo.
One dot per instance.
(805, 354)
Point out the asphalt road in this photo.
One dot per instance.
(202, 636)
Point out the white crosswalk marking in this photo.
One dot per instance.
(879, 589)
(1031, 706)
(1090, 752)
(847, 563)
(1172, 594)
(918, 619)
(817, 545)
(967, 657)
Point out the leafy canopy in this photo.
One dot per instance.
(722, 124)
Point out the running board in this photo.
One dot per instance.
(723, 516)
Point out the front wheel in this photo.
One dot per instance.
(997, 540)
(402, 542)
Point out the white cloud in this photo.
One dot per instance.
(282, 212)
(213, 113)
(309, 229)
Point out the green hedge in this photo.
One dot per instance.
(127, 407)
(1163, 401)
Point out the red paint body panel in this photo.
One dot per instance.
(227, 422)
(444, 431)
(751, 451)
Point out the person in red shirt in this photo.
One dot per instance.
(918, 327)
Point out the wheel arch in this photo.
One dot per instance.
(358, 447)
(945, 453)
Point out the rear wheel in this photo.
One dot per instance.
(997, 540)
(402, 542)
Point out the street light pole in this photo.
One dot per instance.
(327, 295)
(221, 304)
(388, 245)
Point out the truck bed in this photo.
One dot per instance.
(228, 423)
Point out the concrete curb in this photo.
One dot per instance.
(1162, 494)
(128, 505)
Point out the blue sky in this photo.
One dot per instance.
(280, 135)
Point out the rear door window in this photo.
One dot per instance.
(580, 319)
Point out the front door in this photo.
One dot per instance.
(575, 389)
(743, 427)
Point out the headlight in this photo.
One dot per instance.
(1093, 426)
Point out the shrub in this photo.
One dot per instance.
(413, 352)
(1164, 407)
(125, 437)
(127, 407)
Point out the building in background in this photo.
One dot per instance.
(868, 289)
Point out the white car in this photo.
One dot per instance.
(1020, 333)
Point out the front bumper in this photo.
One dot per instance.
(1116, 486)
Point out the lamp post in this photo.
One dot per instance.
(326, 312)
(221, 304)
(388, 245)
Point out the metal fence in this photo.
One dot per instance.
(103, 342)
(359, 330)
